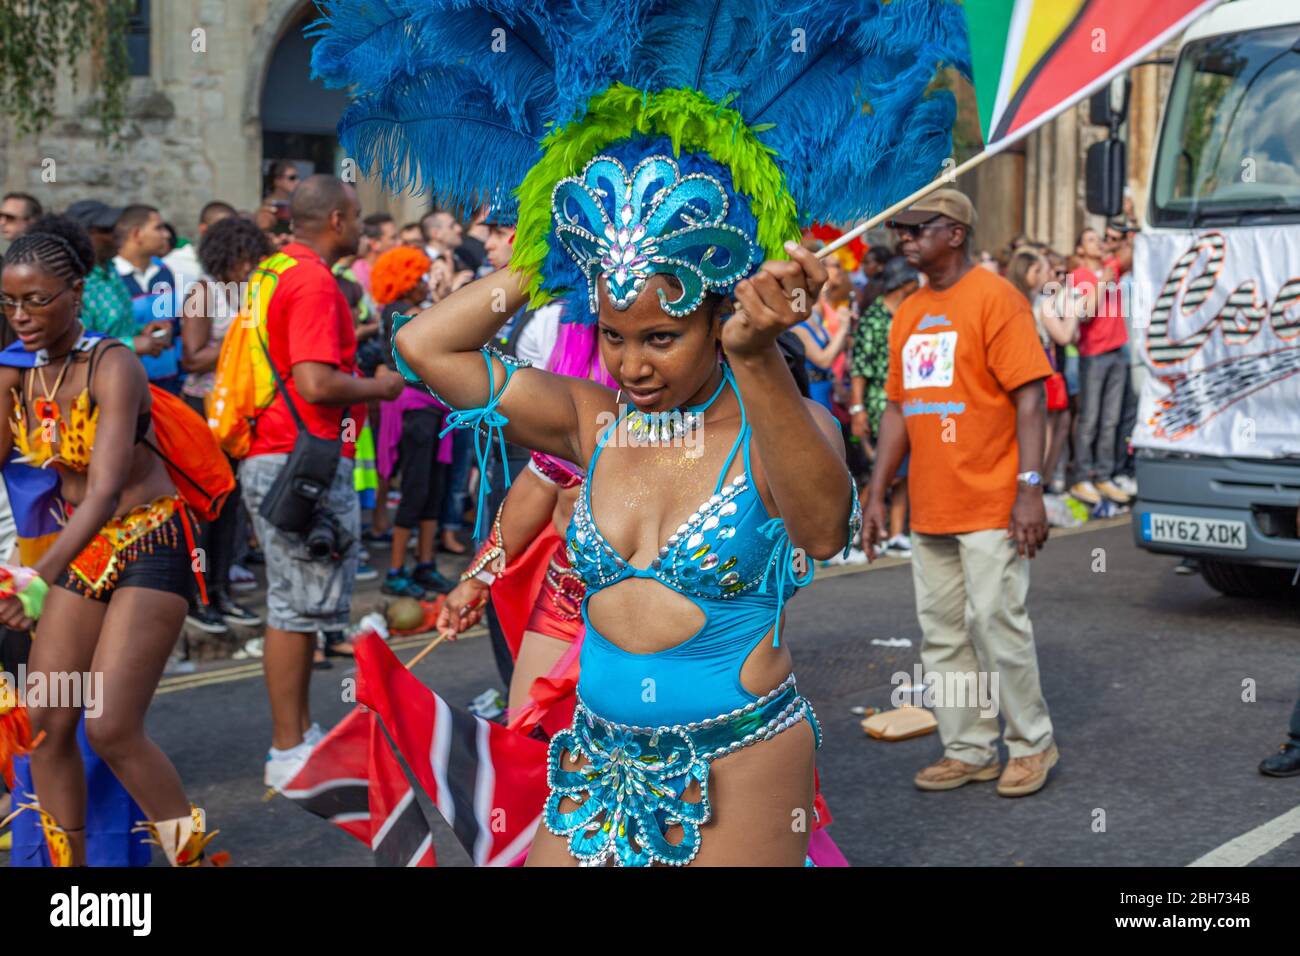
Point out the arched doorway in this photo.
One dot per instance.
(299, 116)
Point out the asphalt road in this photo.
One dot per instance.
(1142, 669)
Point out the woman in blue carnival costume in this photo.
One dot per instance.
(661, 156)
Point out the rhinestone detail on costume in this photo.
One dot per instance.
(633, 778)
(628, 226)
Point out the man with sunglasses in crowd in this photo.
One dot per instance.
(965, 396)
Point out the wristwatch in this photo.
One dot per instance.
(857, 409)
(1031, 478)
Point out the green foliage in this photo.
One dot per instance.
(693, 122)
(40, 40)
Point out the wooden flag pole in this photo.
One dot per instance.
(425, 653)
(947, 179)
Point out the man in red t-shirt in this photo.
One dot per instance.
(1103, 370)
(312, 346)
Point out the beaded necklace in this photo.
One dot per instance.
(656, 428)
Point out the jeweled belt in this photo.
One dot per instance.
(141, 529)
(634, 778)
(567, 590)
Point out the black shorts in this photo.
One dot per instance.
(162, 565)
(423, 477)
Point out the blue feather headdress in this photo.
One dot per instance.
(632, 137)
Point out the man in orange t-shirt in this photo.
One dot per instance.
(965, 395)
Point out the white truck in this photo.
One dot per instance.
(1216, 306)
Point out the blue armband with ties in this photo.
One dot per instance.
(488, 423)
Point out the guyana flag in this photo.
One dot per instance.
(1032, 59)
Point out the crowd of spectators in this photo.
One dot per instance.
(1080, 303)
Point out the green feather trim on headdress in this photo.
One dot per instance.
(693, 123)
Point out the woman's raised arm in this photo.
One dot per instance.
(798, 443)
(442, 345)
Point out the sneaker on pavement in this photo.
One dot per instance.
(1284, 763)
(400, 584)
(1086, 492)
(1112, 492)
(312, 734)
(283, 765)
(1057, 486)
(366, 573)
(206, 618)
(899, 546)
(950, 773)
(252, 648)
(1026, 775)
(179, 665)
(427, 576)
(233, 613)
(1126, 484)
(242, 579)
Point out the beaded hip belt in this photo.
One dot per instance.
(634, 778)
(565, 588)
(141, 529)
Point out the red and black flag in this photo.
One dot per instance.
(353, 780)
(488, 782)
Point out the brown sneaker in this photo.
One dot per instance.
(1108, 489)
(1026, 775)
(950, 773)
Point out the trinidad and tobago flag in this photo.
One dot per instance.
(489, 783)
(354, 780)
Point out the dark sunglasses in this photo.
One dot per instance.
(907, 229)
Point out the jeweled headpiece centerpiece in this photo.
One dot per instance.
(629, 226)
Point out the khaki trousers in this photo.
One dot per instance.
(970, 599)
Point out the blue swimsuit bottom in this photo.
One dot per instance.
(647, 725)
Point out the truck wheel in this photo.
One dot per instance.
(1247, 581)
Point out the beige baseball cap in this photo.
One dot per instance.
(953, 203)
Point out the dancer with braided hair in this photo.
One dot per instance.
(116, 578)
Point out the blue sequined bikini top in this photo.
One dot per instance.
(728, 549)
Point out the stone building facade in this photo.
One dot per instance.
(223, 88)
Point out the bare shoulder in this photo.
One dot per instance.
(597, 408)
(10, 377)
(828, 423)
(118, 371)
